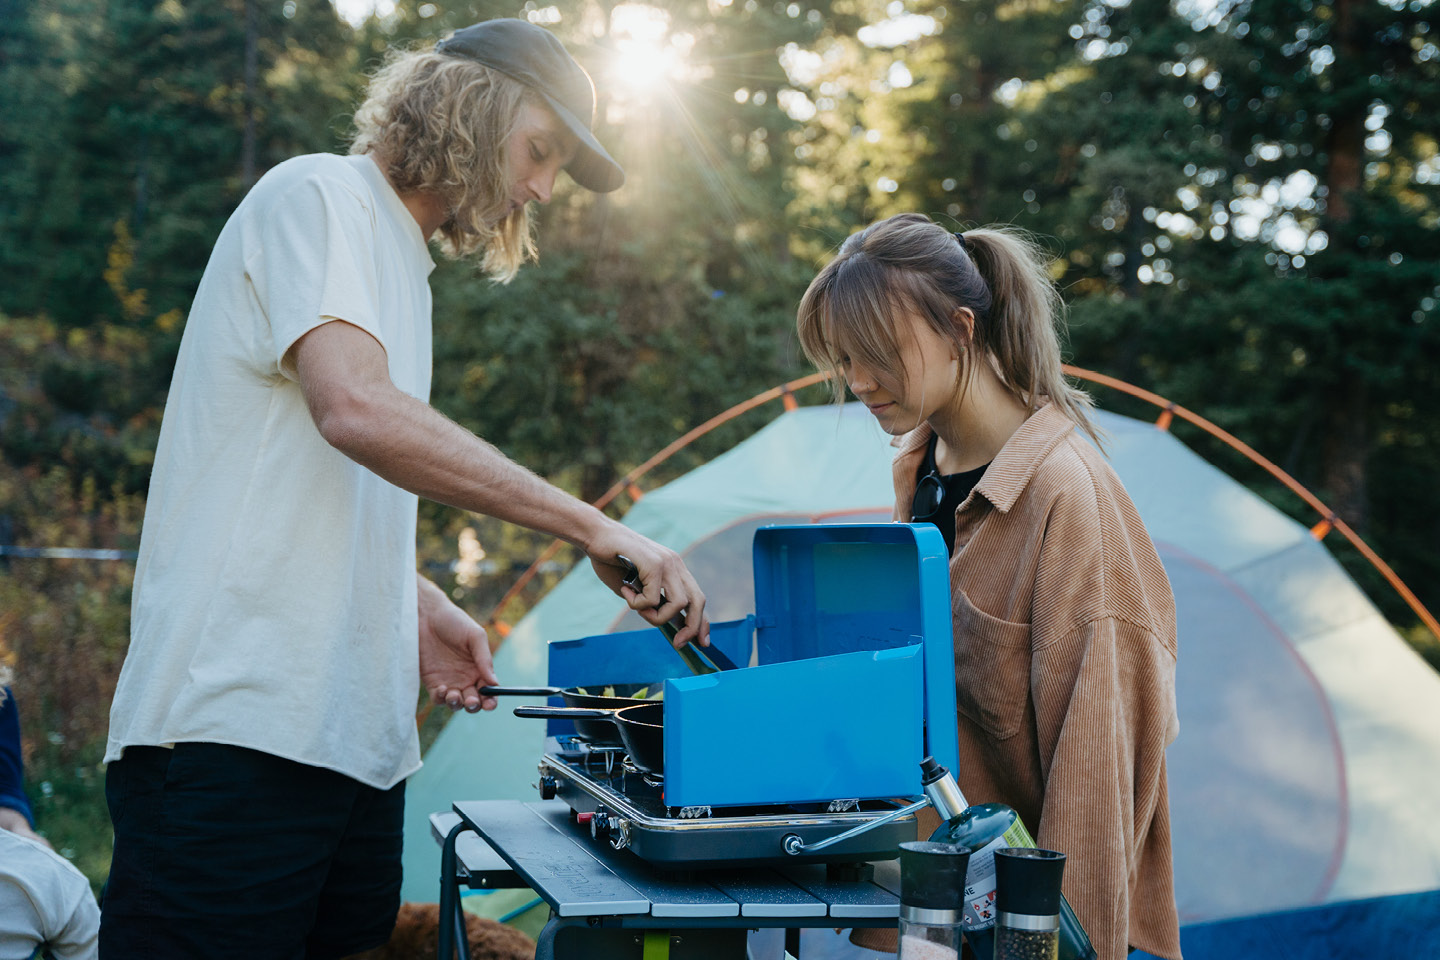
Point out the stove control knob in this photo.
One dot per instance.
(600, 825)
(547, 788)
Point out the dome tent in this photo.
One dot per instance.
(1302, 784)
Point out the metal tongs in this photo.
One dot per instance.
(700, 660)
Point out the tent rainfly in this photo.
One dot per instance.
(1304, 780)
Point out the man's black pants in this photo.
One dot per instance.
(222, 852)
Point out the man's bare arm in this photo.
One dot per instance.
(358, 410)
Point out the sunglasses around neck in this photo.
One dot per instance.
(929, 497)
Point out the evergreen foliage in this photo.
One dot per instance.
(1240, 196)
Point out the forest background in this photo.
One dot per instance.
(1240, 195)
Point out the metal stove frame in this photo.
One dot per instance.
(601, 792)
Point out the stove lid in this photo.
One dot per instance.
(841, 610)
(823, 590)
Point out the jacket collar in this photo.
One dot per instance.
(1013, 466)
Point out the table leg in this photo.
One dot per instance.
(545, 943)
(452, 919)
(792, 942)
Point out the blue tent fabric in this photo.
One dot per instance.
(1402, 927)
(1310, 732)
(1268, 746)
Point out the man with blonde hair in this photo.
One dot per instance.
(263, 723)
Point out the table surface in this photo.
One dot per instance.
(578, 877)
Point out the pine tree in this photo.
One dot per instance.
(1288, 258)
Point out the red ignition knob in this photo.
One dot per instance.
(584, 817)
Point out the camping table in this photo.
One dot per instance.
(611, 905)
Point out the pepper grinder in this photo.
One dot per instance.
(932, 891)
(1027, 903)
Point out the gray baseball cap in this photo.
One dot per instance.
(532, 55)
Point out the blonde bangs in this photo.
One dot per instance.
(850, 311)
(443, 125)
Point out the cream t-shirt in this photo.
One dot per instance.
(275, 600)
(44, 901)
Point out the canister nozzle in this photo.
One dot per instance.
(941, 789)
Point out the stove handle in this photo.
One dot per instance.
(794, 846)
(520, 691)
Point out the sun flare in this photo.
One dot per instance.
(647, 55)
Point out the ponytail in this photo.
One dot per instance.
(909, 262)
(1027, 314)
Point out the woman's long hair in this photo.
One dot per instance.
(442, 124)
(910, 265)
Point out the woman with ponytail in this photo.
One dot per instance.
(1064, 622)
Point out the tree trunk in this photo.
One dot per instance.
(979, 185)
(142, 182)
(1345, 140)
(1345, 452)
(252, 42)
(1347, 437)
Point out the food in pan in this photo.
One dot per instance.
(644, 693)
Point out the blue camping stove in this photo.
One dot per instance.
(850, 657)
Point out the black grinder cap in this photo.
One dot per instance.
(932, 875)
(1027, 881)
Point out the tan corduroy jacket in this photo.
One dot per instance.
(1065, 672)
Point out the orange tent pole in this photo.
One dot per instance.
(1168, 409)
(783, 392)
(1328, 518)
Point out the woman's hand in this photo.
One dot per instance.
(454, 652)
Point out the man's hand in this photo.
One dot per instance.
(14, 821)
(662, 574)
(454, 652)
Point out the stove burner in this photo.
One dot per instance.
(649, 776)
(588, 754)
(605, 786)
(574, 746)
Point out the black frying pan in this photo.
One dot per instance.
(597, 731)
(641, 728)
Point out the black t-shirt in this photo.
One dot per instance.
(957, 488)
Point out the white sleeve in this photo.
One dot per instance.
(45, 898)
(79, 937)
(315, 262)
